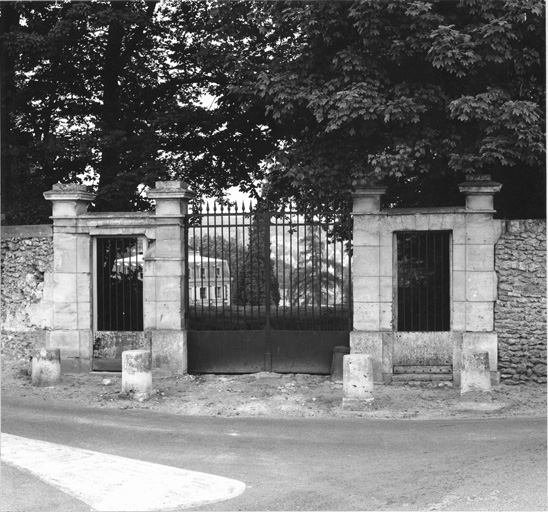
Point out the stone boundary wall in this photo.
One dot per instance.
(520, 311)
(26, 308)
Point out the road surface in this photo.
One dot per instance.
(281, 464)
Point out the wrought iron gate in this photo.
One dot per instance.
(118, 300)
(267, 290)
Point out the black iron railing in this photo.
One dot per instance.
(254, 269)
(423, 274)
(119, 284)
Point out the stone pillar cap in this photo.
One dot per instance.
(370, 191)
(479, 184)
(171, 190)
(172, 185)
(367, 196)
(69, 192)
(69, 186)
(365, 188)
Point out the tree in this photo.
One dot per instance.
(258, 267)
(414, 94)
(307, 98)
(215, 46)
(81, 104)
(110, 92)
(9, 20)
(318, 276)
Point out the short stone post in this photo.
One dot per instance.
(357, 382)
(137, 373)
(46, 367)
(475, 374)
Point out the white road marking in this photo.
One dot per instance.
(109, 482)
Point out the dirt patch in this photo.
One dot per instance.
(274, 395)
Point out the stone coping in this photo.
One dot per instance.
(28, 231)
(426, 211)
(525, 225)
(115, 215)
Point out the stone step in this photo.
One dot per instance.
(407, 369)
(425, 377)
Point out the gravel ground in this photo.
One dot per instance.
(274, 395)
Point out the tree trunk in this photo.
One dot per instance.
(9, 20)
(112, 126)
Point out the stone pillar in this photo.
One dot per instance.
(480, 278)
(72, 294)
(164, 285)
(370, 309)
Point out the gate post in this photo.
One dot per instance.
(72, 297)
(482, 233)
(368, 302)
(164, 286)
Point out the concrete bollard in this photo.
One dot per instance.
(357, 382)
(46, 367)
(475, 376)
(137, 373)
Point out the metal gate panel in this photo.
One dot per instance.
(267, 290)
(305, 351)
(226, 351)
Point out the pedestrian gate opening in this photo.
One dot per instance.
(423, 273)
(423, 343)
(118, 300)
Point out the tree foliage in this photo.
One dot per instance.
(416, 94)
(82, 103)
(301, 98)
(111, 92)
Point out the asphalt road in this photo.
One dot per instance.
(305, 464)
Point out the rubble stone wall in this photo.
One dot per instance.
(26, 307)
(520, 311)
